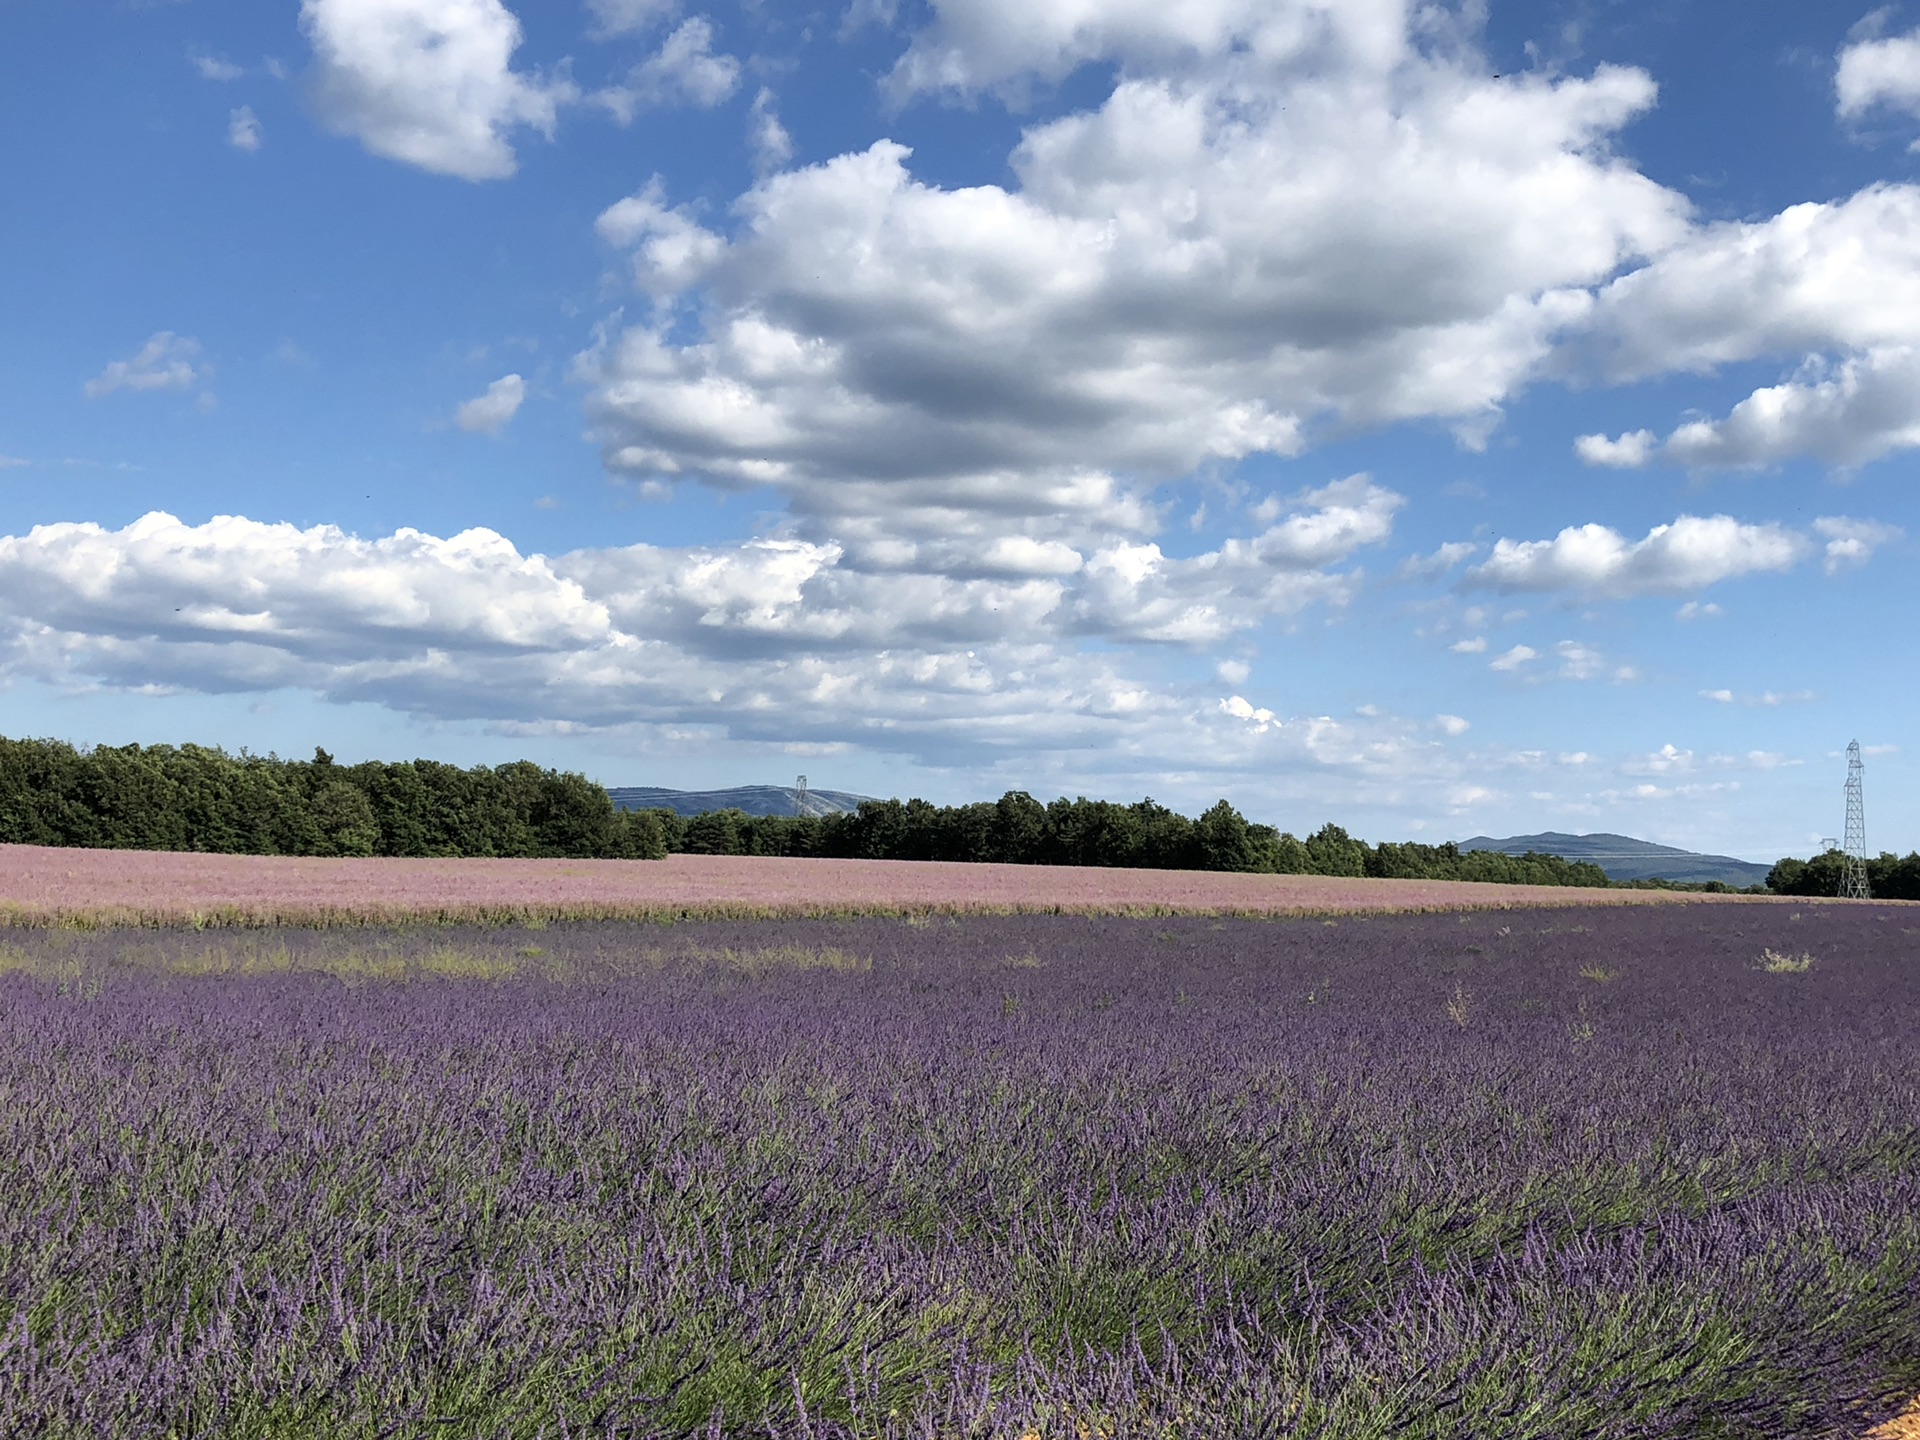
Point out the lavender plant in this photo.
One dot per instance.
(1002, 1176)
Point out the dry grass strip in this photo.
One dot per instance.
(1904, 1426)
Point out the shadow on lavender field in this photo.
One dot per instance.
(1607, 1173)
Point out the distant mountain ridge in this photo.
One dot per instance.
(749, 799)
(1625, 858)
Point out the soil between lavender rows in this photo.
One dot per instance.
(1597, 1172)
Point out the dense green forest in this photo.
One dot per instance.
(1888, 877)
(1017, 829)
(192, 797)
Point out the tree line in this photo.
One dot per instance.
(192, 797)
(1889, 877)
(198, 798)
(1017, 829)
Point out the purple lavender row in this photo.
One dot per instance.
(1599, 1173)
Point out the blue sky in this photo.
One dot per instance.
(1436, 421)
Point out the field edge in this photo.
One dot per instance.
(17, 916)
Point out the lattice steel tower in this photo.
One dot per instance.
(800, 797)
(1853, 879)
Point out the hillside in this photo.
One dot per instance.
(750, 799)
(1625, 858)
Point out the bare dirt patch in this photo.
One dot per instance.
(1904, 1426)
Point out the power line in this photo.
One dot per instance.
(1853, 879)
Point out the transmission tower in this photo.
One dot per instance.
(800, 796)
(1853, 879)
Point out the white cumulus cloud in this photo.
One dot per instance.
(1689, 554)
(1206, 266)
(628, 17)
(684, 71)
(315, 596)
(1844, 413)
(1766, 699)
(488, 414)
(1831, 289)
(770, 640)
(767, 138)
(977, 44)
(166, 362)
(1578, 661)
(214, 67)
(1816, 277)
(429, 82)
(670, 248)
(1851, 543)
(1443, 559)
(244, 131)
(1628, 452)
(1240, 708)
(1879, 72)
(1133, 590)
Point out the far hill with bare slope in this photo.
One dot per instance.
(748, 799)
(1625, 858)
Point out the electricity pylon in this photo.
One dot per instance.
(1853, 879)
(800, 796)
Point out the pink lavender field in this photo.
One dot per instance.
(146, 887)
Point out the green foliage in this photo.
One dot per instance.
(1449, 862)
(1331, 851)
(1889, 877)
(1222, 840)
(343, 820)
(643, 834)
(190, 797)
(717, 832)
(1016, 829)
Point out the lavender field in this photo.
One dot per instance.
(1560, 1173)
(42, 885)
